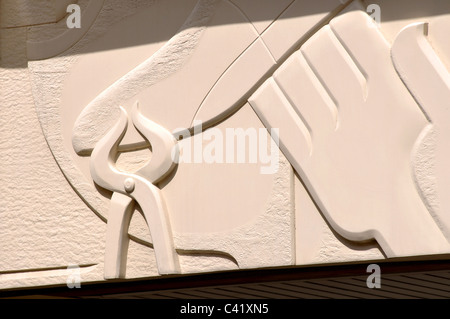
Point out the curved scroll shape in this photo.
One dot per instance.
(428, 80)
(164, 159)
(53, 47)
(148, 196)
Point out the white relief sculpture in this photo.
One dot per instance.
(329, 108)
(164, 66)
(350, 127)
(428, 80)
(327, 131)
(246, 61)
(161, 65)
(50, 106)
(139, 187)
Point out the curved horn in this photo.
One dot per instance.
(164, 145)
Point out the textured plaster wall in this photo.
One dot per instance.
(44, 225)
(47, 225)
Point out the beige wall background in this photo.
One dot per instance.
(46, 225)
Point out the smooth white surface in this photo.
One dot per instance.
(292, 27)
(262, 13)
(241, 77)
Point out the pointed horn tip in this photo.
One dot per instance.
(136, 106)
(136, 110)
(122, 110)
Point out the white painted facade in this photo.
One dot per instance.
(358, 171)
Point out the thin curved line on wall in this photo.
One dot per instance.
(53, 47)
